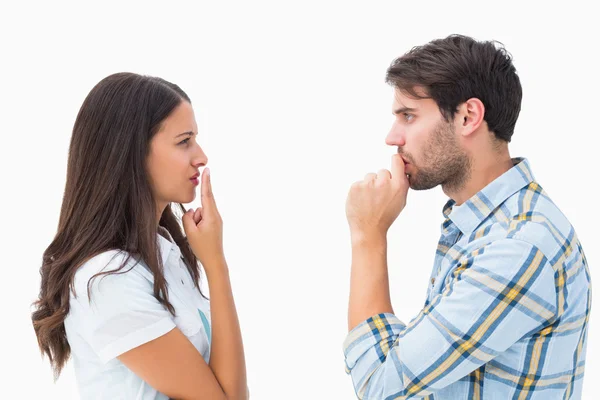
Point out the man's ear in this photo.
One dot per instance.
(469, 116)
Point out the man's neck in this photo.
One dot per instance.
(483, 172)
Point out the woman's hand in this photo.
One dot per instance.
(204, 227)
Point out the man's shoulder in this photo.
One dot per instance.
(533, 217)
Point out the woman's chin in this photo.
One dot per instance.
(184, 199)
(190, 198)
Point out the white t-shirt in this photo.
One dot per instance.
(123, 314)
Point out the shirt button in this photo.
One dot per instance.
(432, 281)
(182, 282)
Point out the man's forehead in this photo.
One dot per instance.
(402, 100)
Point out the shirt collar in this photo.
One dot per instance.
(165, 244)
(469, 215)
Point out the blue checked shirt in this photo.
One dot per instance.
(506, 313)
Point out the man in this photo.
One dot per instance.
(509, 298)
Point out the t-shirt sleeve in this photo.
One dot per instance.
(121, 312)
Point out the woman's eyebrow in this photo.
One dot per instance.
(189, 133)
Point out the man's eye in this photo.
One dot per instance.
(408, 116)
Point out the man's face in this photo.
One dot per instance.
(428, 144)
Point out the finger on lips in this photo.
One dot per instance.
(397, 166)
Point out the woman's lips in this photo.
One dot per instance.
(195, 179)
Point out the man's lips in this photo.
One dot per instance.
(407, 164)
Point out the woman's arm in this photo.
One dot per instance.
(227, 351)
(170, 363)
(204, 230)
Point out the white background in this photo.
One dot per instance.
(292, 108)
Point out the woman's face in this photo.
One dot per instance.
(175, 158)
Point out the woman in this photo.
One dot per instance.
(120, 286)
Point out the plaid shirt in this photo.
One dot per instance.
(506, 312)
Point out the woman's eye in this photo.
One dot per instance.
(184, 141)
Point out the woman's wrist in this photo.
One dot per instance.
(215, 264)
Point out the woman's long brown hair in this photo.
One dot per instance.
(108, 202)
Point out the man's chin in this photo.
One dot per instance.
(415, 184)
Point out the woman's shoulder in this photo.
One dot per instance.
(128, 269)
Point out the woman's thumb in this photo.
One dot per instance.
(188, 220)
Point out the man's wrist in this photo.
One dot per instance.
(372, 239)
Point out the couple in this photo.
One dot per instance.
(509, 297)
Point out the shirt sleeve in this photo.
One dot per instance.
(121, 312)
(497, 295)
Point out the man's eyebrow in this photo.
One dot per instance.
(402, 110)
(189, 133)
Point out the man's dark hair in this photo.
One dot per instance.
(452, 70)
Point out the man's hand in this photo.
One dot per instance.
(374, 203)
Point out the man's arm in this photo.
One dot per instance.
(369, 283)
(372, 206)
(496, 296)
